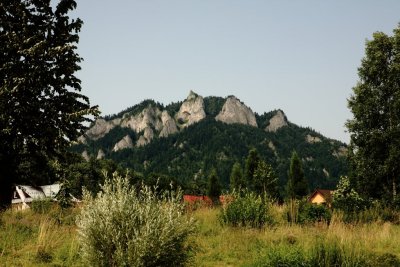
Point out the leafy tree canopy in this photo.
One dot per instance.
(41, 109)
(375, 127)
(265, 180)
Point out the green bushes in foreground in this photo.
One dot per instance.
(303, 212)
(122, 226)
(247, 210)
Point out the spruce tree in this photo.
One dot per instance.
(250, 166)
(214, 186)
(236, 178)
(297, 186)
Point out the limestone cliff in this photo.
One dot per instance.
(191, 110)
(234, 111)
(149, 117)
(169, 125)
(100, 128)
(312, 139)
(276, 122)
(85, 155)
(341, 152)
(100, 154)
(147, 136)
(125, 142)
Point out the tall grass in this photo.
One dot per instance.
(337, 244)
(33, 239)
(359, 243)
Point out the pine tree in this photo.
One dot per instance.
(236, 179)
(214, 186)
(297, 186)
(250, 166)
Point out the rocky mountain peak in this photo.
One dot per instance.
(191, 110)
(235, 111)
(192, 95)
(276, 122)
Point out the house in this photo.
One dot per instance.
(193, 201)
(321, 196)
(23, 195)
(205, 201)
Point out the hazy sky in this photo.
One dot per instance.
(299, 56)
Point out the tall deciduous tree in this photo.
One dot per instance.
(265, 180)
(375, 127)
(236, 180)
(41, 109)
(297, 186)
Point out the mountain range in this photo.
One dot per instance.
(186, 139)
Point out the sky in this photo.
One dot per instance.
(298, 56)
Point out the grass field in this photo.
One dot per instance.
(31, 239)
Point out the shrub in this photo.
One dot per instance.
(122, 226)
(248, 210)
(345, 198)
(311, 213)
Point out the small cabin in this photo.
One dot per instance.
(23, 195)
(321, 196)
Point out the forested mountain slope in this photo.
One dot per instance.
(186, 139)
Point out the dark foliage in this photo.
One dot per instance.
(40, 104)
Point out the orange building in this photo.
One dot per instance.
(321, 196)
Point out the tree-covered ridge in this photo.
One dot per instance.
(190, 155)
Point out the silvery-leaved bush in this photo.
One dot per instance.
(124, 226)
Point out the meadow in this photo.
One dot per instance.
(50, 238)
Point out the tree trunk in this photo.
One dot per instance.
(6, 183)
